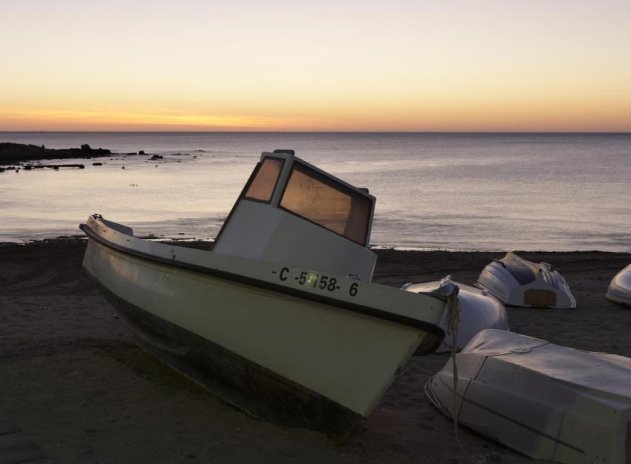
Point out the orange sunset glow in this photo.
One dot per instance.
(343, 65)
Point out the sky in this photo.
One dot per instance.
(330, 65)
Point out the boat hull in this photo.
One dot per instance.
(479, 310)
(233, 378)
(299, 361)
(518, 282)
(619, 290)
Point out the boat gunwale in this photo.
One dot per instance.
(337, 303)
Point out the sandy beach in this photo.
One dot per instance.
(73, 378)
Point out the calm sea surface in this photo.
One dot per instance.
(448, 191)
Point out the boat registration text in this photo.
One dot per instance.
(316, 280)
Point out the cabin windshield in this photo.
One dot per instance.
(321, 200)
(264, 180)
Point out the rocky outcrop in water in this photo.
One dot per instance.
(12, 153)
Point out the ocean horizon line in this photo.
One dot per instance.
(608, 133)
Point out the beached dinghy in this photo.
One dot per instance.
(281, 318)
(619, 290)
(479, 310)
(543, 400)
(516, 281)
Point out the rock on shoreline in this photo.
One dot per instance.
(12, 153)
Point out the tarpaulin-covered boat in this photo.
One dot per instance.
(543, 400)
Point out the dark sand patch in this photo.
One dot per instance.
(73, 378)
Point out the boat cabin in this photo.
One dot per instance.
(293, 213)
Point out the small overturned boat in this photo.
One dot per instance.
(479, 310)
(546, 401)
(281, 318)
(619, 290)
(516, 281)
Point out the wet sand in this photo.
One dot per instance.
(72, 378)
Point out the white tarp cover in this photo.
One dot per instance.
(544, 400)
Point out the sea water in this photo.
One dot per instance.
(553, 192)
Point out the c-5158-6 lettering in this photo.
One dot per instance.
(316, 280)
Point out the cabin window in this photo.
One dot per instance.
(320, 200)
(262, 185)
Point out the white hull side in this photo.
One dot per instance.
(349, 358)
(546, 401)
(619, 290)
(479, 310)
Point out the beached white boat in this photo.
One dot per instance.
(479, 310)
(281, 318)
(543, 400)
(619, 290)
(516, 281)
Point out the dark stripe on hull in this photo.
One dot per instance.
(237, 380)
